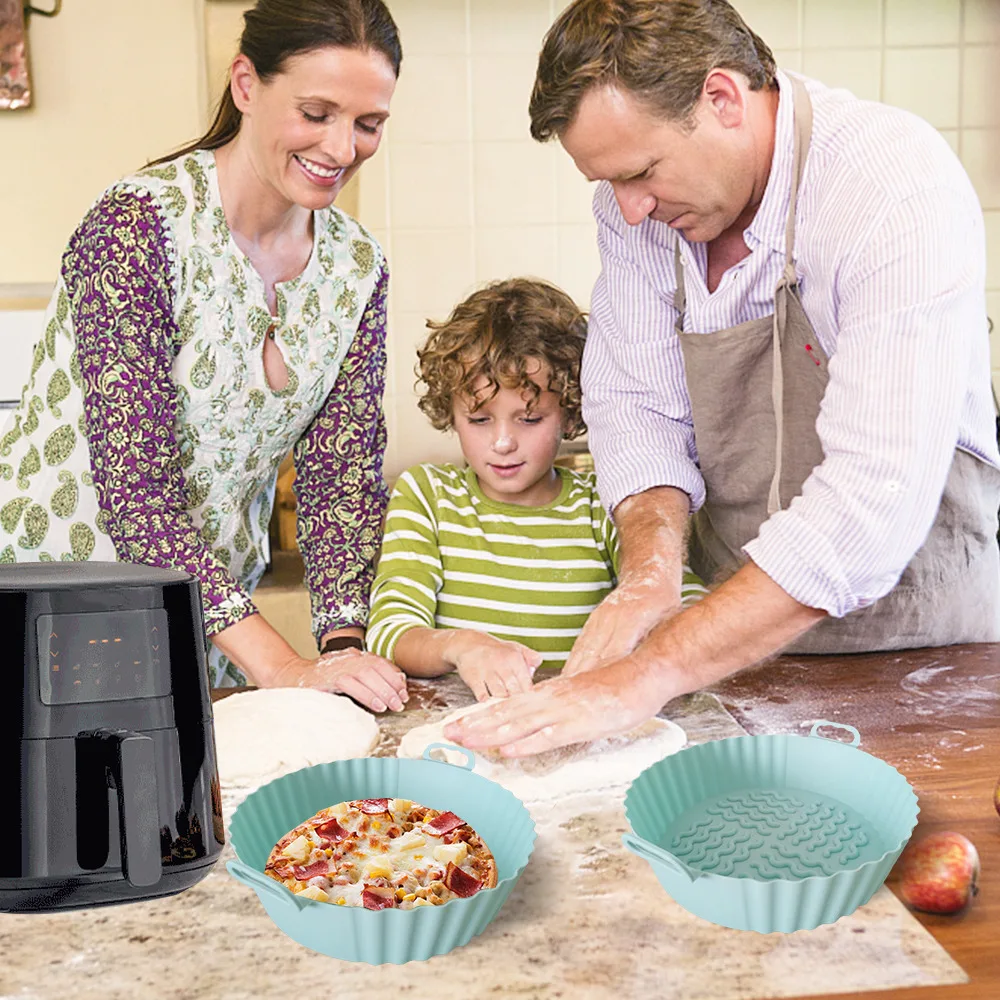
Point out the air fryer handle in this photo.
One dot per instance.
(132, 768)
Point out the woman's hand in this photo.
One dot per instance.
(493, 668)
(375, 683)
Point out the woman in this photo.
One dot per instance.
(214, 310)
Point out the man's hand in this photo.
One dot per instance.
(565, 710)
(620, 622)
(746, 620)
(493, 668)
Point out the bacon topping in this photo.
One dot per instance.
(378, 897)
(460, 883)
(445, 823)
(332, 832)
(311, 871)
(374, 806)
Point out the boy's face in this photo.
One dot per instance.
(510, 449)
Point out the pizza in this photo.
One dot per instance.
(382, 853)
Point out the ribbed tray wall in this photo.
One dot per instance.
(671, 787)
(396, 936)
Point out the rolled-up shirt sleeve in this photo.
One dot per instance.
(635, 399)
(341, 494)
(910, 315)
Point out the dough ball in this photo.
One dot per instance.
(260, 735)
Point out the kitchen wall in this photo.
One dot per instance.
(459, 194)
(116, 82)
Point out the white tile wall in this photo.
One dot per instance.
(459, 194)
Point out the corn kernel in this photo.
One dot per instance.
(409, 897)
(418, 857)
(341, 901)
(329, 852)
(376, 825)
(400, 894)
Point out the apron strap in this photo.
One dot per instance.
(680, 297)
(788, 282)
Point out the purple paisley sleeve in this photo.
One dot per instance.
(341, 495)
(117, 271)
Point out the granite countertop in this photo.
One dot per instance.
(586, 920)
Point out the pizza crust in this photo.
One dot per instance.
(611, 762)
(260, 735)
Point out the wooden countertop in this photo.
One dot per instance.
(935, 715)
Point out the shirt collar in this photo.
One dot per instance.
(768, 225)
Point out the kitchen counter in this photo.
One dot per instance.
(586, 919)
(935, 715)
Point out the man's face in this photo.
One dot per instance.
(697, 181)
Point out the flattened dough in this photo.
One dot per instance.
(260, 735)
(607, 763)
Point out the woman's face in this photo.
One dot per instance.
(310, 127)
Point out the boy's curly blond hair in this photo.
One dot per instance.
(495, 333)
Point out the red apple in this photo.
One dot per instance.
(939, 873)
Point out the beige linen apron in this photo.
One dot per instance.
(755, 392)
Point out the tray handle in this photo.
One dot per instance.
(470, 757)
(656, 855)
(260, 883)
(836, 725)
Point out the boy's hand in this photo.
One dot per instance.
(493, 668)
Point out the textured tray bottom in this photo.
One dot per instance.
(769, 834)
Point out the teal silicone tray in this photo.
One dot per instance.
(771, 833)
(355, 934)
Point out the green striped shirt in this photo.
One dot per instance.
(454, 558)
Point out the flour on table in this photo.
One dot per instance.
(612, 762)
(260, 735)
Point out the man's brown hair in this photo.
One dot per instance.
(660, 51)
(495, 334)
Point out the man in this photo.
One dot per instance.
(788, 342)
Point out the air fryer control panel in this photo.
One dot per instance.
(102, 656)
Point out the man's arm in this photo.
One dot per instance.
(651, 544)
(746, 620)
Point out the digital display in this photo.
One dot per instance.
(102, 656)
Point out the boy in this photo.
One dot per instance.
(493, 569)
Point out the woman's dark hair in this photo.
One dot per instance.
(276, 30)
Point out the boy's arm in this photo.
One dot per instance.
(407, 581)
(404, 601)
